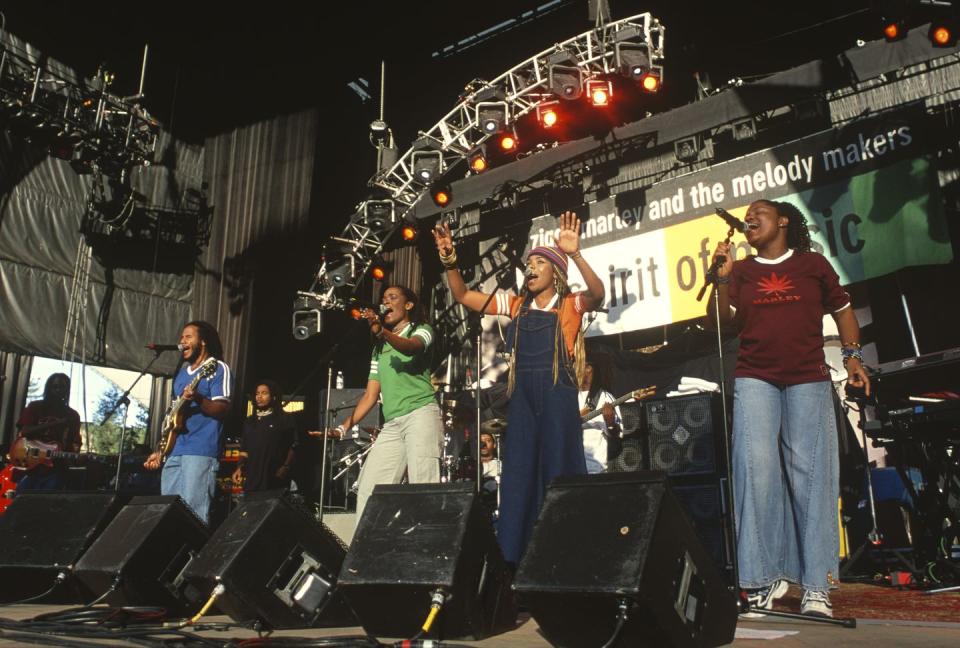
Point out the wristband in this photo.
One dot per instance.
(342, 430)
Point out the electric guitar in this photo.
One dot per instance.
(9, 477)
(639, 394)
(29, 453)
(174, 419)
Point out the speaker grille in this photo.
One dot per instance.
(682, 435)
(630, 458)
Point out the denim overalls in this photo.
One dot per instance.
(543, 438)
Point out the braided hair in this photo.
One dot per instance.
(798, 236)
(562, 288)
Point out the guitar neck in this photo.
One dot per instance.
(618, 401)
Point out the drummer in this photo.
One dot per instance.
(488, 455)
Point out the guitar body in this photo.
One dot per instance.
(175, 420)
(9, 477)
(28, 453)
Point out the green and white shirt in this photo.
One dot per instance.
(404, 379)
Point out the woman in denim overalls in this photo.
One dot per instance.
(543, 438)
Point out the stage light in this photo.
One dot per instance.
(380, 269)
(548, 114)
(565, 81)
(943, 32)
(342, 274)
(650, 81)
(409, 232)
(745, 129)
(687, 149)
(492, 116)
(508, 142)
(478, 163)
(599, 92)
(427, 165)
(379, 214)
(441, 194)
(893, 18)
(306, 323)
(356, 311)
(632, 59)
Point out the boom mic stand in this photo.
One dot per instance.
(711, 278)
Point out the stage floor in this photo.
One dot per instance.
(869, 633)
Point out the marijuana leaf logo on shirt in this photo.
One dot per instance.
(773, 284)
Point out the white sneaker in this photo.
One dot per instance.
(763, 598)
(816, 604)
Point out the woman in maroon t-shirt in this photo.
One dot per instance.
(785, 472)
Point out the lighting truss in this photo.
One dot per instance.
(460, 133)
(523, 88)
(78, 119)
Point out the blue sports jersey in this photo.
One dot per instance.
(201, 434)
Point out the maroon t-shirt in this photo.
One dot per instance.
(781, 307)
(67, 434)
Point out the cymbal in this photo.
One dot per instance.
(493, 426)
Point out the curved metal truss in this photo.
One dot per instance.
(562, 71)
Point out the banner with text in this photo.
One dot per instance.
(870, 195)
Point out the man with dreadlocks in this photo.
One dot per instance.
(543, 438)
(785, 467)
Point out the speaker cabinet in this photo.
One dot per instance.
(416, 539)
(142, 553)
(609, 542)
(342, 402)
(682, 435)
(43, 535)
(276, 564)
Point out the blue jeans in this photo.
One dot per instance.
(786, 481)
(194, 479)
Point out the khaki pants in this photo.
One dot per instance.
(408, 444)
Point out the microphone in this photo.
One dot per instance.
(384, 309)
(731, 220)
(153, 346)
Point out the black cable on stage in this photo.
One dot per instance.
(61, 577)
(622, 607)
(348, 641)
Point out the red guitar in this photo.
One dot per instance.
(9, 477)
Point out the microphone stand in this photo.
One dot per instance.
(711, 278)
(124, 399)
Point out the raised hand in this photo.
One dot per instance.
(443, 238)
(569, 239)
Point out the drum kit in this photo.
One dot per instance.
(458, 460)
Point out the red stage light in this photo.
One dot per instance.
(508, 142)
(548, 118)
(941, 35)
(891, 31)
(599, 97)
(378, 272)
(478, 164)
(356, 312)
(650, 82)
(409, 232)
(441, 196)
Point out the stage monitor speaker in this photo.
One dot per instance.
(618, 543)
(43, 535)
(342, 402)
(141, 555)
(276, 563)
(682, 435)
(416, 539)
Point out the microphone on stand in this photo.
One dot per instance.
(153, 346)
(384, 309)
(731, 220)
